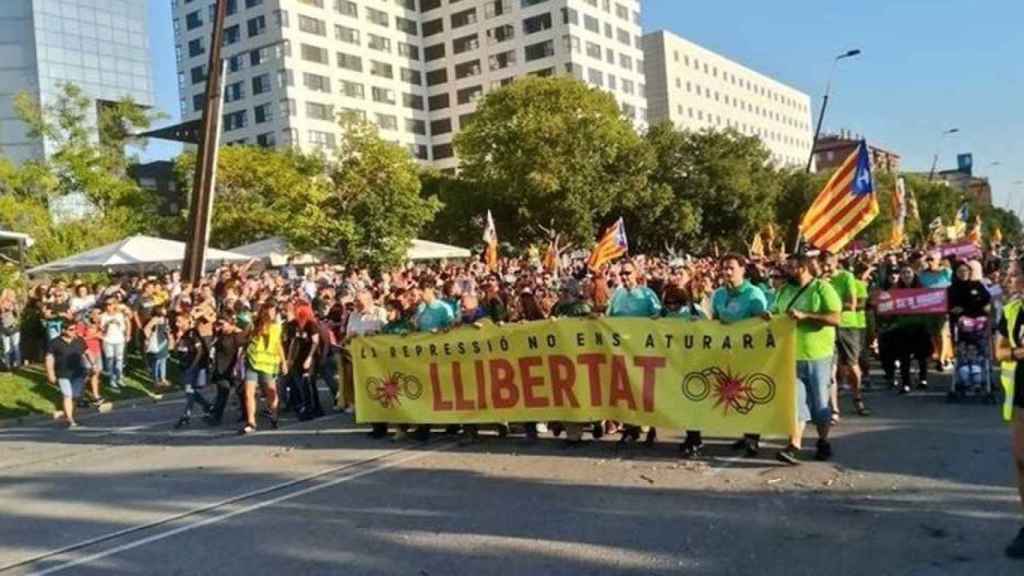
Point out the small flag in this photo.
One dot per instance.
(613, 244)
(975, 234)
(844, 207)
(959, 227)
(551, 256)
(997, 236)
(757, 246)
(491, 238)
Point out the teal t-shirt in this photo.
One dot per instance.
(639, 302)
(434, 316)
(936, 278)
(813, 340)
(745, 302)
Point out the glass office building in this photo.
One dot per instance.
(100, 45)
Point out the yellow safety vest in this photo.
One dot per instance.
(1009, 369)
(264, 353)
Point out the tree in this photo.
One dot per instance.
(552, 155)
(459, 220)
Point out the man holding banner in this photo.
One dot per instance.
(816, 308)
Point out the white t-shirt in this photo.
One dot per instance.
(114, 326)
(369, 321)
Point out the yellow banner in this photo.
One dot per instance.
(722, 380)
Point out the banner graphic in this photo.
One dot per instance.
(722, 380)
(961, 250)
(911, 301)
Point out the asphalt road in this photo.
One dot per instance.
(921, 488)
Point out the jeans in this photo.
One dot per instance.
(157, 367)
(11, 346)
(113, 362)
(814, 378)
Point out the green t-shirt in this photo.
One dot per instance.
(862, 302)
(845, 285)
(813, 341)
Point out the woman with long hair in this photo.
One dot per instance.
(264, 360)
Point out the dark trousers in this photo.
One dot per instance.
(225, 386)
(905, 344)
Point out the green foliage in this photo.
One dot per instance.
(552, 156)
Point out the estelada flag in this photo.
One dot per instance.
(613, 244)
(491, 239)
(757, 246)
(551, 256)
(844, 207)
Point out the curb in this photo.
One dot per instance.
(41, 418)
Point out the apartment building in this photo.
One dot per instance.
(413, 67)
(697, 89)
(100, 45)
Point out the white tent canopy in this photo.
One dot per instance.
(274, 251)
(135, 253)
(426, 250)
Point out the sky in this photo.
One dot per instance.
(927, 66)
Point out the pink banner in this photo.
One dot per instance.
(921, 301)
(965, 250)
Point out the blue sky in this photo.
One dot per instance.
(927, 65)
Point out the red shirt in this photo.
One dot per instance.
(92, 336)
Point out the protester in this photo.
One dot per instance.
(116, 334)
(1010, 351)
(66, 368)
(158, 343)
(10, 330)
(265, 359)
(849, 336)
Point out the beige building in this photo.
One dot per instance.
(697, 89)
(413, 67)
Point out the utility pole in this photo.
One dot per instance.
(206, 158)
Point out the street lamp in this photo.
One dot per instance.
(824, 103)
(938, 146)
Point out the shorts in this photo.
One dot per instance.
(849, 342)
(812, 395)
(71, 387)
(258, 377)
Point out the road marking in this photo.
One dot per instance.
(227, 502)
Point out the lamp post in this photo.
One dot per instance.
(938, 146)
(824, 103)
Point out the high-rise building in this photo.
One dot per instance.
(100, 45)
(697, 89)
(413, 67)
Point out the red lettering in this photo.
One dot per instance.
(440, 404)
(650, 365)
(530, 382)
(620, 387)
(460, 395)
(563, 379)
(503, 385)
(481, 385)
(593, 363)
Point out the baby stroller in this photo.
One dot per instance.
(973, 375)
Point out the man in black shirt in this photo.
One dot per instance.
(65, 367)
(229, 341)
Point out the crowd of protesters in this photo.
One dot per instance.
(275, 336)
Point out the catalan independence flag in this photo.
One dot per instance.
(613, 244)
(844, 207)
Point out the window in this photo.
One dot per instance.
(195, 47)
(378, 17)
(193, 20)
(622, 12)
(263, 113)
(467, 95)
(312, 25)
(384, 95)
(346, 34)
(623, 36)
(315, 54)
(410, 76)
(280, 18)
(235, 63)
(235, 120)
(442, 151)
(595, 77)
(500, 34)
(415, 126)
(379, 43)
(352, 89)
(408, 26)
(570, 16)
(625, 61)
(387, 122)
(431, 53)
(594, 50)
(381, 69)
(627, 86)
(433, 27)
(322, 139)
(253, 3)
(350, 62)
(256, 26)
(409, 51)
(261, 84)
(435, 77)
(502, 60)
(540, 50)
(198, 101)
(198, 74)
(442, 126)
(464, 18)
(465, 44)
(467, 69)
(438, 102)
(284, 78)
(591, 23)
(316, 82)
(318, 111)
(414, 101)
(290, 136)
(266, 140)
(497, 8)
(609, 56)
(466, 119)
(537, 23)
(232, 34)
(407, 4)
(571, 44)
(346, 8)
(528, 3)
(314, 3)
(428, 5)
